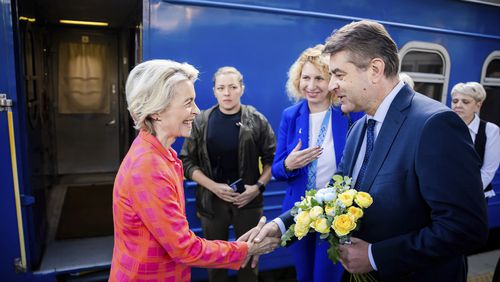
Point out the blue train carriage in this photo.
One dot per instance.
(64, 128)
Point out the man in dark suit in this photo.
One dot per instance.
(414, 156)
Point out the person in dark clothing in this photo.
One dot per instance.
(226, 144)
(416, 159)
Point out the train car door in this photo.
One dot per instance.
(86, 118)
(13, 255)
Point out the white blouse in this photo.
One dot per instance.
(327, 164)
(491, 151)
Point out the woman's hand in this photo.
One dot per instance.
(300, 158)
(265, 246)
(257, 234)
(224, 192)
(251, 191)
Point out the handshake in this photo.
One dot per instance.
(262, 239)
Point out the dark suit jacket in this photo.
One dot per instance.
(424, 176)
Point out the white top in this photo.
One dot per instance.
(327, 164)
(491, 151)
(379, 117)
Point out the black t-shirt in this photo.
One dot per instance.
(222, 145)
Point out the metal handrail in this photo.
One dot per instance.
(6, 105)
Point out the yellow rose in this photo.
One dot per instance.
(320, 225)
(352, 192)
(329, 210)
(303, 218)
(346, 199)
(301, 230)
(355, 212)
(363, 199)
(343, 224)
(315, 212)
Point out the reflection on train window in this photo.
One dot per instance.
(432, 90)
(428, 64)
(490, 78)
(423, 62)
(493, 69)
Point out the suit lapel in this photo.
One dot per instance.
(302, 122)
(388, 132)
(339, 129)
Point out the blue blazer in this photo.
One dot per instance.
(428, 206)
(294, 125)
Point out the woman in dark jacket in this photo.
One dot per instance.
(226, 143)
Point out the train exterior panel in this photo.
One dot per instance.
(441, 43)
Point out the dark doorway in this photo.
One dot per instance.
(86, 113)
(86, 212)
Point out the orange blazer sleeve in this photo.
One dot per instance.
(158, 199)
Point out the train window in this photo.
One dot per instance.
(428, 64)
(493, 69)
(423, 62)
(490, 79)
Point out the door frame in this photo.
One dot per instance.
(54, 86)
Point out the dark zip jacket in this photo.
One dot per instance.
(256, 140)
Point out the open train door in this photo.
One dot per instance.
(63, 127)
(86, 115)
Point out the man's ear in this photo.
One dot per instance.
(377, 67)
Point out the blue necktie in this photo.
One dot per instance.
(311, 172)
(370, 139)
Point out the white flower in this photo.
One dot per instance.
(328, 197)
(319, 197)
(329, 190)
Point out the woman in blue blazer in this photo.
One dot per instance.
(311, 139)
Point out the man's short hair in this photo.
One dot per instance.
(364, 41)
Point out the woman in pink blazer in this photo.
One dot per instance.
(153, 241)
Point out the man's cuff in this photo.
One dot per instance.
(281, 225)
(370, 257)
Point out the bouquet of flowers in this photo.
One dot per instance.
(335, 212)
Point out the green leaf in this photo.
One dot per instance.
(324, 236)
(338, 178)
(288, 235)
(333, 250)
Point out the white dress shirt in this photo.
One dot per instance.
(379, 117)
(491, 151)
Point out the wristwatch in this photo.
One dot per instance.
(261, 186)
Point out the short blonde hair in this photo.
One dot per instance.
(150, 88)
(472, 89)
(228, 70)
(313, 55)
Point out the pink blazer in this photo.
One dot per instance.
(153, 241)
